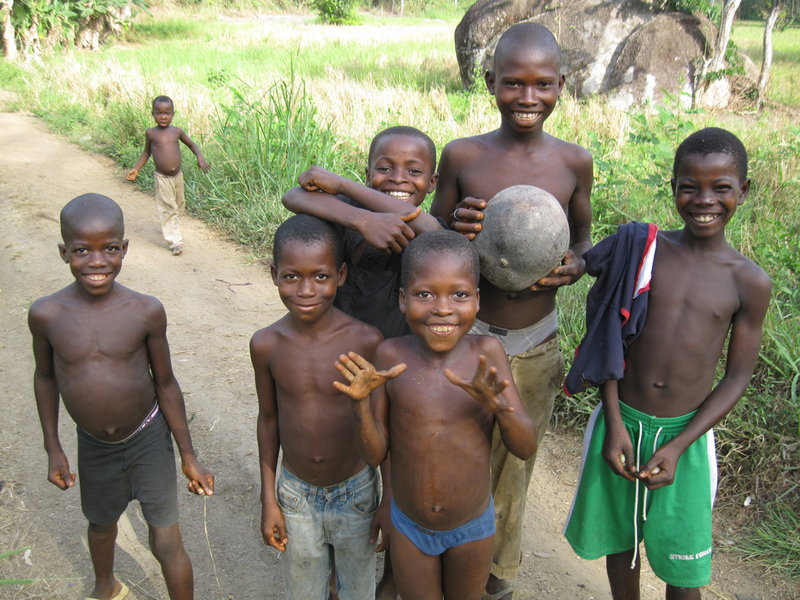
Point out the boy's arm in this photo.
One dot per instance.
(170, 399)
(494, 388)
(371, 422)
(142, 159)
(382, 522)
(617, 444)
(579, 217)
(743, 347)
(273, 527)
(201, 162)
(45, 388)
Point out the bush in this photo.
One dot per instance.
(337, 12)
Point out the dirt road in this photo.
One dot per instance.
(216, 296)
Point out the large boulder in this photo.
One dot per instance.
(628, 49)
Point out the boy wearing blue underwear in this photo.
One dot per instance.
(436, 417)
(661, 310)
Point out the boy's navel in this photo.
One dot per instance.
(659, 384)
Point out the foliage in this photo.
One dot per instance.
(775, 541)
(337, 12)
(703, 7)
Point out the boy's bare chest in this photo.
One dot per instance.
(85, 337)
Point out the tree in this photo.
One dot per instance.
(9, 45)
(766, 59)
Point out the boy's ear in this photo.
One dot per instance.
(124, 248)
(401, 299)
(672, 183)
(367, 178)
(273, 270)
(743, 191)
(490, 79)
(342, 275)
(432, 183)
(62, 250)
(561, 79)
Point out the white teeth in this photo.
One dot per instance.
(525, 116)
(400, 195)
(442, 328)
(96, 277)
(704, 218)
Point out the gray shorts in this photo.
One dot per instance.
(111, 474)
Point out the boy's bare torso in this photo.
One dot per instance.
(486, 164)
(101, 359)
(440, 437)
(316, 420)
(165, 149)
(694, 294)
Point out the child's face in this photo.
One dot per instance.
(526, 85)
(440, 302)
(707, 191)
(307, 278)
(163, 112)
(94, 254)
(401, 167)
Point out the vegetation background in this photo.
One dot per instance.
(266, 98)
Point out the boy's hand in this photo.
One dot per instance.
(204, 166)
(467, 215)
(362, 376)
(201, 480)
(382, 523)
(484, 387)
(388, 232)
(59, 474)
(273, 528)
(571, 269)
(618, 453)
(131, 176)
(659, 471)
(317, 179)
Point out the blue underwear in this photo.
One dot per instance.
(434, 543)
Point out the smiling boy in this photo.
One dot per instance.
(649, 466)
(526, 83)
(437, 419)
(162, 141)
(326, 495)
(103, 349)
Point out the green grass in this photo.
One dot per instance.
(784, 84)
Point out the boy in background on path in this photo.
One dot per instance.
(326, 495)
(162, 142)
(662, 308)
(103, 349)
(526, 83)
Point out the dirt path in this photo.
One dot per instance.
(215, 297)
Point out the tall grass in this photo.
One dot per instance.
(266, 98)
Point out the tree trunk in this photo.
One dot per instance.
(9, 41)
(766, 59)
(729, 9)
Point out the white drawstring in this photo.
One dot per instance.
(655, 447)
(636, 502)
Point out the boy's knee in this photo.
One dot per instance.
(166, 543)
(103, 529)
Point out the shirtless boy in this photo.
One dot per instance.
(326, 494)
(526, 83)
(162, 141)
(437, 419)
(649, 468)
(103, 348)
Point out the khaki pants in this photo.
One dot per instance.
(170, 202)
(538, 374)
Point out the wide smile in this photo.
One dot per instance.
(97, 277)
(526, 117)
(704, 218)
(441, 330)
(398, 194)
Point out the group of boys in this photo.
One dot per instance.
(373, 366)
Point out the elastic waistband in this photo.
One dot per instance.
(154, 414)
(631, 416)
(517, 341)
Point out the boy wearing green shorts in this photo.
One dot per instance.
(657, 320)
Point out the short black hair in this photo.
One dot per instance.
(527, 34)
(163, 100)
(308, 230)
(434, 244)
(712, 140)
(408, 132)
(87, 208)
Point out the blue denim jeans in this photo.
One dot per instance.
(319, 520)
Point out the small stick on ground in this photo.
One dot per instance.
(208, 542)
(230, 285)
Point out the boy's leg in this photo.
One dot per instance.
(465, 569)
(538, 374)
(418, 575)
(166, 545)
(386, 588)
(170, 202)
(623, 580)
(101, 548)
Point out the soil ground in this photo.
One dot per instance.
(216, 296)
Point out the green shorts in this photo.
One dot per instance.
(610, 514)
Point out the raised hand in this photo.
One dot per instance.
(467, 216)
(362, 376)
(484, 387)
